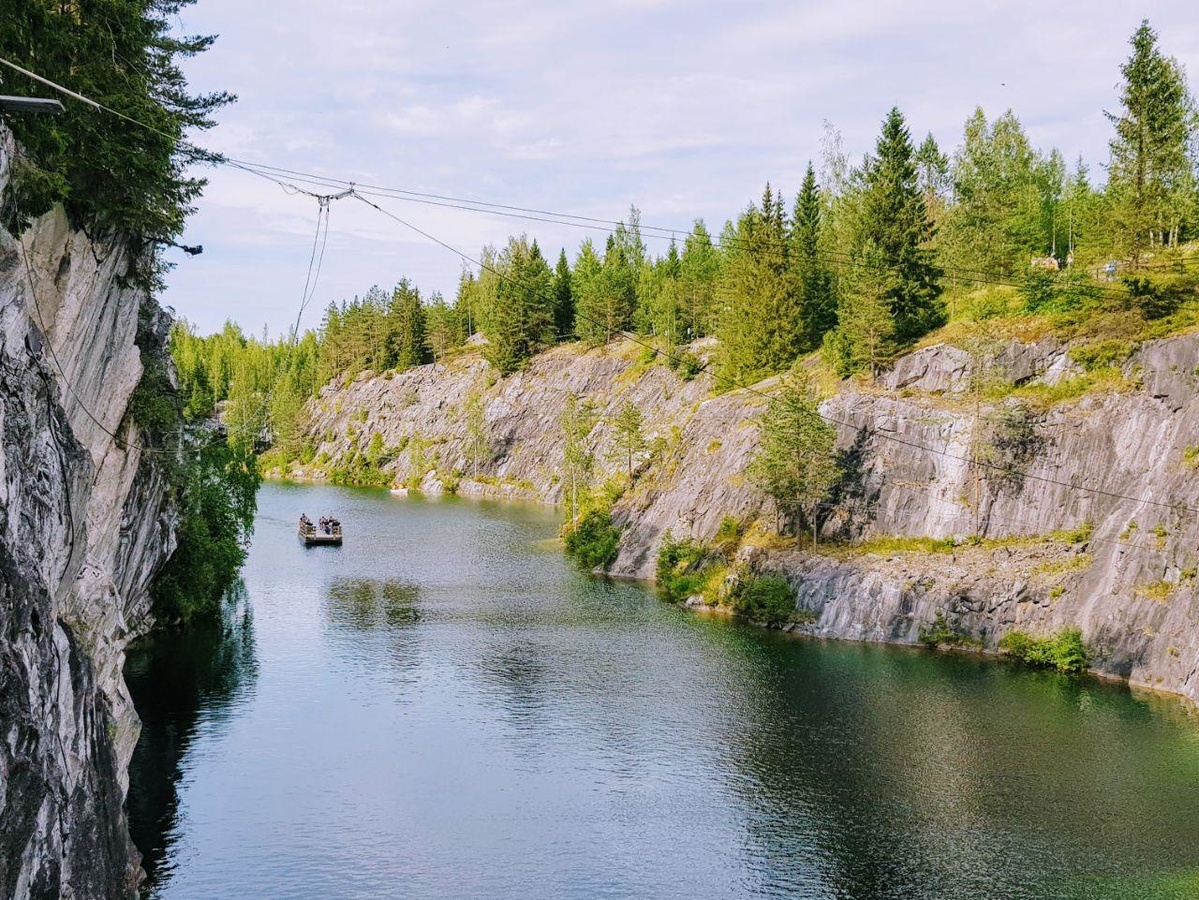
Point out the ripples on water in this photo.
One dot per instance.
(442, 708)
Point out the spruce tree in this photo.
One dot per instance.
(895, 219)
(408, 328)
(1151, 172)
(810, 276)
(761, 327)
(521, 321)
(698, 268)
(564, 304)
(588, 290)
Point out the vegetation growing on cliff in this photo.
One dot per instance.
(215, 491)
(796, 463)
(125, 55)
(592, 540)
(1064, 651)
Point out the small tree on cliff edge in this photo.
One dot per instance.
(796, 464)
(629, 438)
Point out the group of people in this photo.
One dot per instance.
(326, 524)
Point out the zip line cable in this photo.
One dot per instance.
(353, 191)
(528, 213)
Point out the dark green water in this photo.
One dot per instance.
(443, 708)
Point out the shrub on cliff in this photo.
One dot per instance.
(679, 572)
(592, 540)
(768, 599)
(215, 490)
(1064, 651)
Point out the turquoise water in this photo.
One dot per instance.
(444, 708)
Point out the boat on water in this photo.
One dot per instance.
(328, 531)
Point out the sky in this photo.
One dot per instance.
(685, 109)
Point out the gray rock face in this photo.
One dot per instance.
(85, 524)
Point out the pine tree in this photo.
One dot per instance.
(629, 440)
(1151, 173)
(896, 220)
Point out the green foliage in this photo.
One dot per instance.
(894, 221)
(1064, 651)
(1007, 197)
(1152, 299)
(680, 570)
(406, 338)
(477, 445)
(154, 402)
(768, 599)
(940, 633)
(1152, 173)
(578, 419)
(605, 292)
(796, 463)
(865, 336)
(592, 540)
(729, 531)
(686, 365)
(564, 301)
(1079, 535)
(215, 487)
(808, 272)
(522, 321)
(1100, 354)
(629, 441)
(761, 324)
(122, 53)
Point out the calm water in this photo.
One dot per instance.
(443, 708)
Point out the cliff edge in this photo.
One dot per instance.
(86, 523)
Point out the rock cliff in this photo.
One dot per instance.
(85, 524)
(1115, 462)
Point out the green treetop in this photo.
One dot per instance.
(1152, 176)
(896, 220)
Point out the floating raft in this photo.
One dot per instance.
(313, 535)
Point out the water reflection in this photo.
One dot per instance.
(180, 681)
(367, 603)
(446, 709)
